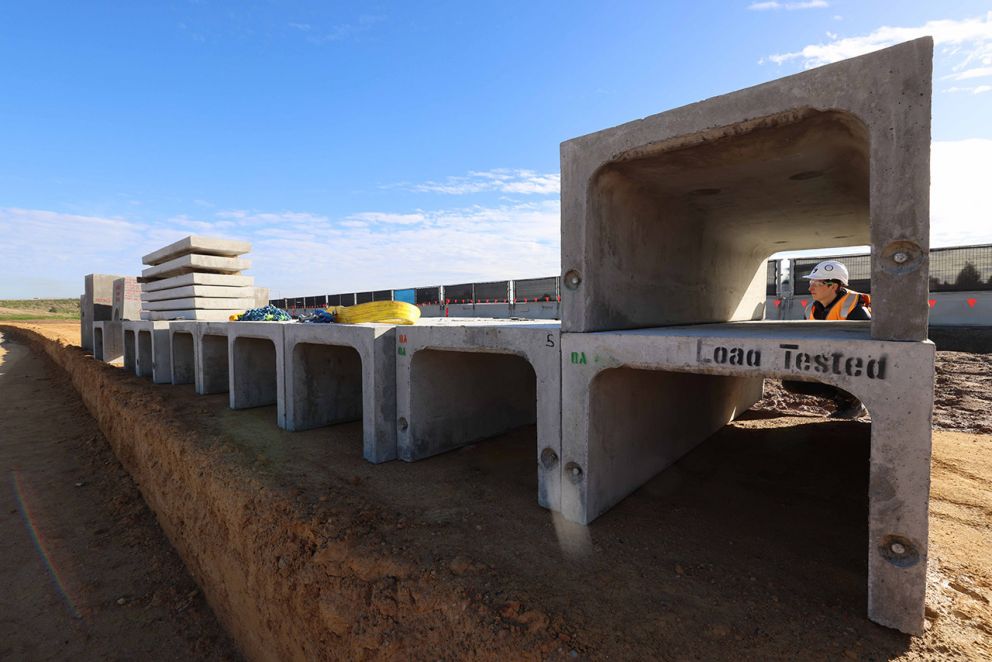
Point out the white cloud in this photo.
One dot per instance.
(978, 89)
(968, 39)
(501, 180)
(380, 217)
(788, 6)
(967, 74)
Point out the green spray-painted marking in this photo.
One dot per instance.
(579, 358)
(401, 351)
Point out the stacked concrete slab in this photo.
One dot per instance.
(197, 278)
(668, 221)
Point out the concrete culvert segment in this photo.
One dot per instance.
(695, 199)
(253, 371)
(98, 342)
(211, 355)
(183, 358)
(130, 350)
(144, 359)
(327, 381)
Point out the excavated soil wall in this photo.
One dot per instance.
(288, 584)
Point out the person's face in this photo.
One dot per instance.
(822, 291)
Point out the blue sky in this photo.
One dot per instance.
(379, 145)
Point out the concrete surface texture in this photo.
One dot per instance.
(186, 291)
(108, 341)
(260, 296)
(463, 381)
(96, 304)
(343, 372)
(634, 401)
(182, 343)
(151, 347)
(197, 263)
(224, 280)
(204, 303)
(257, 366)
(212, 372)
(127, 299)
(669, 219)
(200, 245)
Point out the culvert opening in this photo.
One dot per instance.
(705, 217)
(97, 343)
(327, 385)
(458, 398)
(183, 360)
(129, 350)
(145, 358)
(255, 376)
(768, 502)
(215, 376)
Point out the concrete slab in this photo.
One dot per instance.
(204, 315)
(669, 219)
(212, 371)
(197, 263)
(126, 299)
(257, 366)
(223, 280)
(635, 401)
(151, 347)
(182, 342)
(343, 372)
(200, 245)
(96, 305)
(200, 303)
(108, 341)
(461, 381)
(211, 291)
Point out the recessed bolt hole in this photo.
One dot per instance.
(899, 551)
(900, 258)
(549, 458)
(403, 424)
(574, 472)
(572, 279)
(806, 174)
(898, 548)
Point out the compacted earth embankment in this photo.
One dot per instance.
(753, 546)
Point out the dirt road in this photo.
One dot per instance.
(86, 572)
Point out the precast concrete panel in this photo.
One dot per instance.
(130, 348)
(96, 305)
(257, 366)
(210, 352)
(669, 219)
(152, 349)
(635, 401)
(343, 372)
(182, 338)
(461, 381)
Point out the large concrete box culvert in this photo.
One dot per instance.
(669, 219)
(130, 350)
(461, 382)
(144, 359)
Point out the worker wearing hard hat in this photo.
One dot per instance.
(833, 300)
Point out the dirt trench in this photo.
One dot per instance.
(751, 547)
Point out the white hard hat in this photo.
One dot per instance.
(829, 270)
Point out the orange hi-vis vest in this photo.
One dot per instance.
(844, 307)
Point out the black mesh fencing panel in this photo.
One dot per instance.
(363, 297)
(771, 285)
(858, 268)
(382, 295)
(278, 303)
(461, 293)
(425, 295)
(536, 289)
(964, 269)
(492, 292)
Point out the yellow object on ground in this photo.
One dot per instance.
(385, 312)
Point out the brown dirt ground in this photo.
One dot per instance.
(753, 546)
(86, 573)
